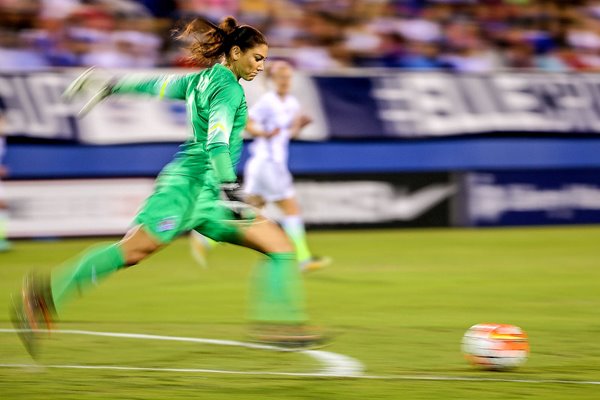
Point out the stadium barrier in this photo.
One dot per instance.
(350, 104)
(405, 164)
(83, 207)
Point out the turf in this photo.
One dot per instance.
(397, 300)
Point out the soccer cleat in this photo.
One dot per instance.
(293, 337)
(314, 263)
(23, 324)
(78, 85)
(32, 311)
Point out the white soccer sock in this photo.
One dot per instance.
(3, 223)
(293, 225)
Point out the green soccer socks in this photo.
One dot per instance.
(93, 265)
(277, 291)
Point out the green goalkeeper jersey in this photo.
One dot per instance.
(217, 111)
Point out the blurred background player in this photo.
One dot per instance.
(186, 194)
(4, 243)
(274, 120)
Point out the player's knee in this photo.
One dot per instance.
(134, 256)
(132, 259)
(137, 245)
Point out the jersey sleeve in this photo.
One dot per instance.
(223, 105)
(166, 86)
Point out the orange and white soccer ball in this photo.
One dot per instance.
(495, 346)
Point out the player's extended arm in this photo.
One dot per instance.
(101, 86)
(299, 123)
(165, 86)
(224, 103)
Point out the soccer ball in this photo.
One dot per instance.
(495, 346)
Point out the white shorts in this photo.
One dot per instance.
(268, 179)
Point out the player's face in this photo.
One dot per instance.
(282, 78)
(249, 63)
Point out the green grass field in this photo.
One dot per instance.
(397, 300)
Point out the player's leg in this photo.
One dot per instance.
(201, 245)
(293, 225)
(160, 220)
(271, 181)
(278, 308)
(163, 216)
(99, 262)
(277, 294)
(42, 297)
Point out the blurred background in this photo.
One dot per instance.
(426, 112)
(450, 114)
(457, 35)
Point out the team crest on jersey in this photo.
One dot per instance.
(167, 224)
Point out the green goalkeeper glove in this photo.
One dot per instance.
(91, 81)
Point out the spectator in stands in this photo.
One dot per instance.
(18, 54)
(520, 56)
(131, 45)
(550, 60)
(362, 43)
(468, 35)
(310, 55)
(211, 9)
(422, 56)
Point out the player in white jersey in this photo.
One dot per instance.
(273, 121)
(4, 243)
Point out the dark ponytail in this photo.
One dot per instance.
(208, 43)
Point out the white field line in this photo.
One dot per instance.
(336, 365)
(333, 364)
(307, 374)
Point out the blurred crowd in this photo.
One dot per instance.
(460, 35)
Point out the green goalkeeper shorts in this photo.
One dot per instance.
(181, 203)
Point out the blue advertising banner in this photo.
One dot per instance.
(427, 104)
(537, 197)
(350, 108)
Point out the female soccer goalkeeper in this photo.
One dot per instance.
(273, 121)
(187, 191)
